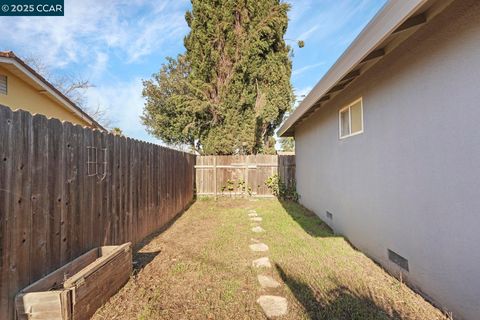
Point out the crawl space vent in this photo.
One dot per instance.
(398, 259)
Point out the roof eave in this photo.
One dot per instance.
(391, 19)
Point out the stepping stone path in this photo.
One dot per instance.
(262, 263)
(273, 306)
(258, 229)
(259, 247)
(267, 282)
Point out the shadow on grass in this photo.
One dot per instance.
(142, 259)
(340, 303)
(308, 220)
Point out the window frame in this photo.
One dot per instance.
(350, 119)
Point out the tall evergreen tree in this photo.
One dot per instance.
(230, 90)
(288, 144)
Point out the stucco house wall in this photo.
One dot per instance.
(411, 181)
(22, 95)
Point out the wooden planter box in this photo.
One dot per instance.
(79, 288)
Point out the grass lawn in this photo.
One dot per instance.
(200, 268)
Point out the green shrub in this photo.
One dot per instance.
(240, 186)
(278, 188)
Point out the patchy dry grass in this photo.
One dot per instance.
(200, 268)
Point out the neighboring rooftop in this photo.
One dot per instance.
(11, 59)
(392, 25)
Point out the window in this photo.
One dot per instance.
(3, 84)
(351, 119)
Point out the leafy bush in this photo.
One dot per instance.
(278, 188)
(240, 186)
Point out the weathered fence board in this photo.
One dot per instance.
(214, 172)
(56, 202)
(39, 198)
(6, 169)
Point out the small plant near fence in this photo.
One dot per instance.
(236, 187)
(282, 191)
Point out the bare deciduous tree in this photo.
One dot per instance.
(73, 87)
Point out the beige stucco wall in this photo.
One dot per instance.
(23, 96)
(411, 181)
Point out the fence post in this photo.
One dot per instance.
(215, 176)
(246, 178)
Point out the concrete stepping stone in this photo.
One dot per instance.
(261, 263)
(268, 282)
(258, 229)
(253, 215)
(256, 219)
(273, 306)
(259, 247)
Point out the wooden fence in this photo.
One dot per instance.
(65, 189)
(214, 172)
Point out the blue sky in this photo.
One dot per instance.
(117, 43)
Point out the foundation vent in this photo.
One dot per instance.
(329, 215)
(398, 259)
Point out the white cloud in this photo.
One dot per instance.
(300, 94)
(124, 104)
(136, 28)
(154, 34)
(99, 66)
(301, 70)
(298, 9)
(306, 34)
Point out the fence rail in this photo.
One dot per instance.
(213, 174)
(65, 189)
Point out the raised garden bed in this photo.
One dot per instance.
(76, 290)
